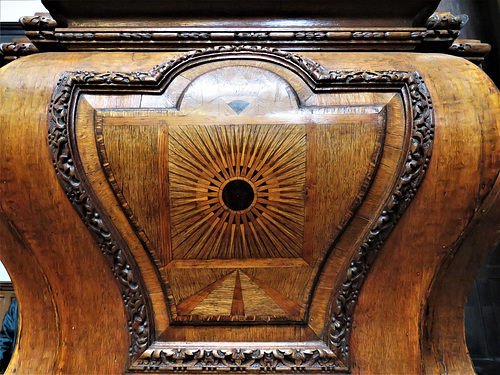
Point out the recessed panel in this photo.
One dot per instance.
(321, 165)
(251, 183)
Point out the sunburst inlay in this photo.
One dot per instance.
(237, 191)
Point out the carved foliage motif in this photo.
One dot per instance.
(416, 164)
(77, 189)
(119, 259)
(242, 359)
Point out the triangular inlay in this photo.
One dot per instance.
(238, 105)
(287, 306)
(237, 307)
(257, 302)
(215, 297)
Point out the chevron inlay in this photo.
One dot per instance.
(237, 294)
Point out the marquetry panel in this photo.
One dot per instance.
(237, 191)
(242, 198)
(141, 188)
(268, 177)
(243, 90)
(359, 267)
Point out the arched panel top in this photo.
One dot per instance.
(238, 90)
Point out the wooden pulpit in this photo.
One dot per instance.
(266, 187)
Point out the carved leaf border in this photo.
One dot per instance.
(118, 256)
(249, 359)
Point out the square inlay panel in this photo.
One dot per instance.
(237, 191)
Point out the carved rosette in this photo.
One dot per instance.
(320, 358)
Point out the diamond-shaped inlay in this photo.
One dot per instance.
(238, 105)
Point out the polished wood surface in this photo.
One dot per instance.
(7, 294)
(355, 26)
(321, 149)
(210, 145)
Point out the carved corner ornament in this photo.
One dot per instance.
(472, 50)
(330, 355)
(446, 20)
(14, 50)
(38, 22)
(440, 30)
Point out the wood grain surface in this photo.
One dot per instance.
(345, 151)
(267, 143)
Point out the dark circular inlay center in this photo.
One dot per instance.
(238, 195)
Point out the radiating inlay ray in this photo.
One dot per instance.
(237, 294)
(208, 164)
(256, 177)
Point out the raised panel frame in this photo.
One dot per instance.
(330, 355)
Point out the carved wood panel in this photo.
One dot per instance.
(250, 179)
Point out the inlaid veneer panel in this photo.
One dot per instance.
(203, 159)
(76, 210)
(268, 178)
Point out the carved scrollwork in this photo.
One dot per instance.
(17, 49)
(12, 51)
(446, 21)
(38, 23)
(472, 50)
(78, 190)
(440, 31)
(468, 47)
